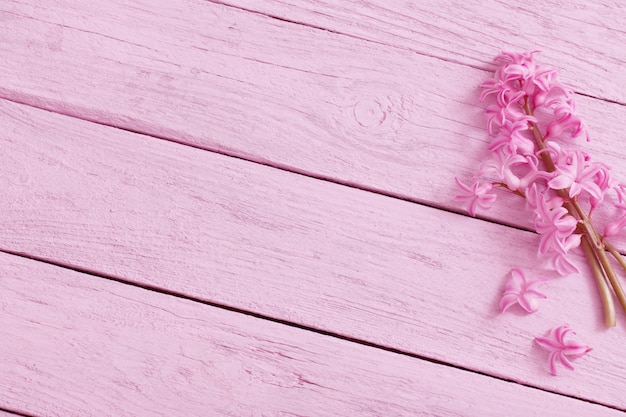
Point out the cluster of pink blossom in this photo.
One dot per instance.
(542, 168)
(532, 121)
(562, 185)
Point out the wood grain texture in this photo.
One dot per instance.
(359, 264)
(321, 255)
(74, 345)
(307, 100)
(573, 34)
(7, 414)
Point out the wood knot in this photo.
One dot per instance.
(369, 112)
(372, 115)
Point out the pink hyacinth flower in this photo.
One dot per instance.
(560, 349)
(614, 227)
(559, 261)
(476, 196)
(555, 226)
(500, 113)
(605, 181)
(512, 137)
(576, 172)
(566, 119)
(501, 168)
(533, 174)
(520, 290)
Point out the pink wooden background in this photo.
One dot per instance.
(244, 208)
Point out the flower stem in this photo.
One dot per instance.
(605, 293)
(592, 244)
(600, 246)
(615, 253)
(608, 269)
(541, 144)
(621, 261)
(503, 185)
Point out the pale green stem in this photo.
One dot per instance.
(617, 257)
(615, 253)
(600, 245)
(617, 288)
(592, 244)
(598, 273)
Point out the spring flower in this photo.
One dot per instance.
(614, 227)
(566, 120)
(511, 136)
(499, 114)
(521, 290)
(532, 120)
(605, 182)
(575, 172)
(561, 350)
(477, 196)
(501, 169)
(534, 174)
(559, 260)
(503, 91)
(555, 227)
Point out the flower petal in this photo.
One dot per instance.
(529, 303)
(507, 301)
(563, 359)
(547, 343)
(560, 182)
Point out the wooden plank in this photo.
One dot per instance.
(291, 247)
(75, 345)
(7, 414)
(228, 80)
(572, 34)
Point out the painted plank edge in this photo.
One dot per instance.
(227, 82)
(7, 414)
(572, 34)
(322, 255)
(78, 346)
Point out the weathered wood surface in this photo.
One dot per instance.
(584, 38)
(322, 255)
(314, 102)
(166, 356)
(239, 234)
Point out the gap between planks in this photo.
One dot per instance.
(285, 246)
(487, 68)
(194, 359)
(242, 19)
(572, 35)
(292, 170)
(286, 168)
(7, 413)
(233, 93)
(348, 34)
(164, 291)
